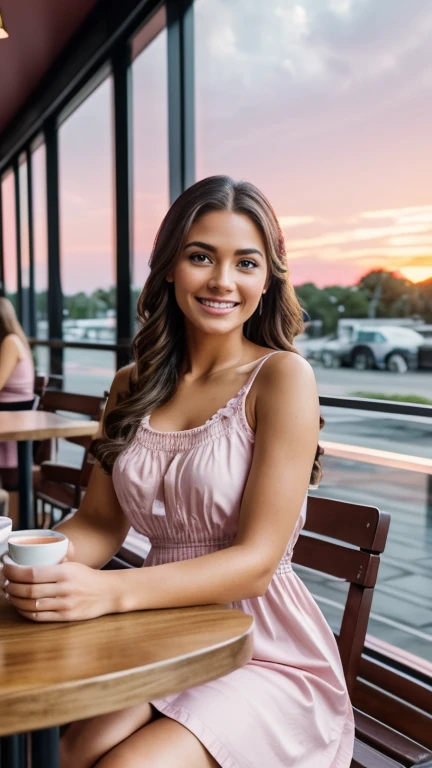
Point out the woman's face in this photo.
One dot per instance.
(221, 273)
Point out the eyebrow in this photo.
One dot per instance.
(212, 249)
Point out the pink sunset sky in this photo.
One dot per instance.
(326, 105)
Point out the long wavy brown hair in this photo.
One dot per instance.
(159, 347)
(9, 322)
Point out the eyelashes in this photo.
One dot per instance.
(253, 264)
(199, 258)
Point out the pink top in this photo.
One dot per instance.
(20, 384)
(18, 387)
(288, 706)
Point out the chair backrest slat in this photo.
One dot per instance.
(89, 405)
(70, 402)
(356, 524)
(336, 560)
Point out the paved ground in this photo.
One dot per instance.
(346, 381)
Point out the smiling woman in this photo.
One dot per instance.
(234, 218)
(208, 448)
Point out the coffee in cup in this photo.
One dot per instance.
(37, 547)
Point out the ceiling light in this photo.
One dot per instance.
(3, 32)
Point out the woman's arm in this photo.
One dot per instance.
(99, 527)
(9, 357)
(287, 412)
(287, 415)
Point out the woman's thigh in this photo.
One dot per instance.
(86, 741)
(163, 743)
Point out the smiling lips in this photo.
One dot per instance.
(217, 307)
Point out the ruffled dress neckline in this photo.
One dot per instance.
(227, 410)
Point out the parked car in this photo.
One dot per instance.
(389, 348)
(309, 347)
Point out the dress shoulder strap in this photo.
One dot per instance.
(256, 371)
(241, 402)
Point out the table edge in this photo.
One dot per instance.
(229, 654)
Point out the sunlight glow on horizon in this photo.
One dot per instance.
(416, 274)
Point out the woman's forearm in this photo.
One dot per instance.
(220, 577)
(92, 545)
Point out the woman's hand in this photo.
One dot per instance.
(65, 592)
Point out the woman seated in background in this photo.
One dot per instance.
(16, 385)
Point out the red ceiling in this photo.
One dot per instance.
(38, 31)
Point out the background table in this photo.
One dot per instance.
(26, 426)
(52, 674)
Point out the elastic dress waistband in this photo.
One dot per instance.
(167, 551)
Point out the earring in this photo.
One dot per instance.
(261, 304)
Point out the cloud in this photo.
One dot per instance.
(400, 213)
(400, 240)
(356, 235)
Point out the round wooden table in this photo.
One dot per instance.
(52, 674)
(26, 426)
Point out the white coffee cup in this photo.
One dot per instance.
(37, 547)
(5, 531)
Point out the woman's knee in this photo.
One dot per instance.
(85, 742)
(161, 744)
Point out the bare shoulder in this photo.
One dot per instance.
(286, 371)
(285, 390)
(120, 385)
(12, 341)
(122, 380)
(12, 347)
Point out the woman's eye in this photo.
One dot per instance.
(247, 264)
(199, 258)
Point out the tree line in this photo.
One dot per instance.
(378, 294)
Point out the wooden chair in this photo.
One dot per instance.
(57, 485)
(43, 381)
(377, 744)
(40, 383)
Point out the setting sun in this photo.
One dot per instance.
(416, 274)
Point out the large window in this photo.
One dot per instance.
(24, 240)
(40, 240)
(86, 239)
(9, 239)
(325, 105)
(150, 141)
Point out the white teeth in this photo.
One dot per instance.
(218, 304)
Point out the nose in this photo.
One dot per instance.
(222, 279)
